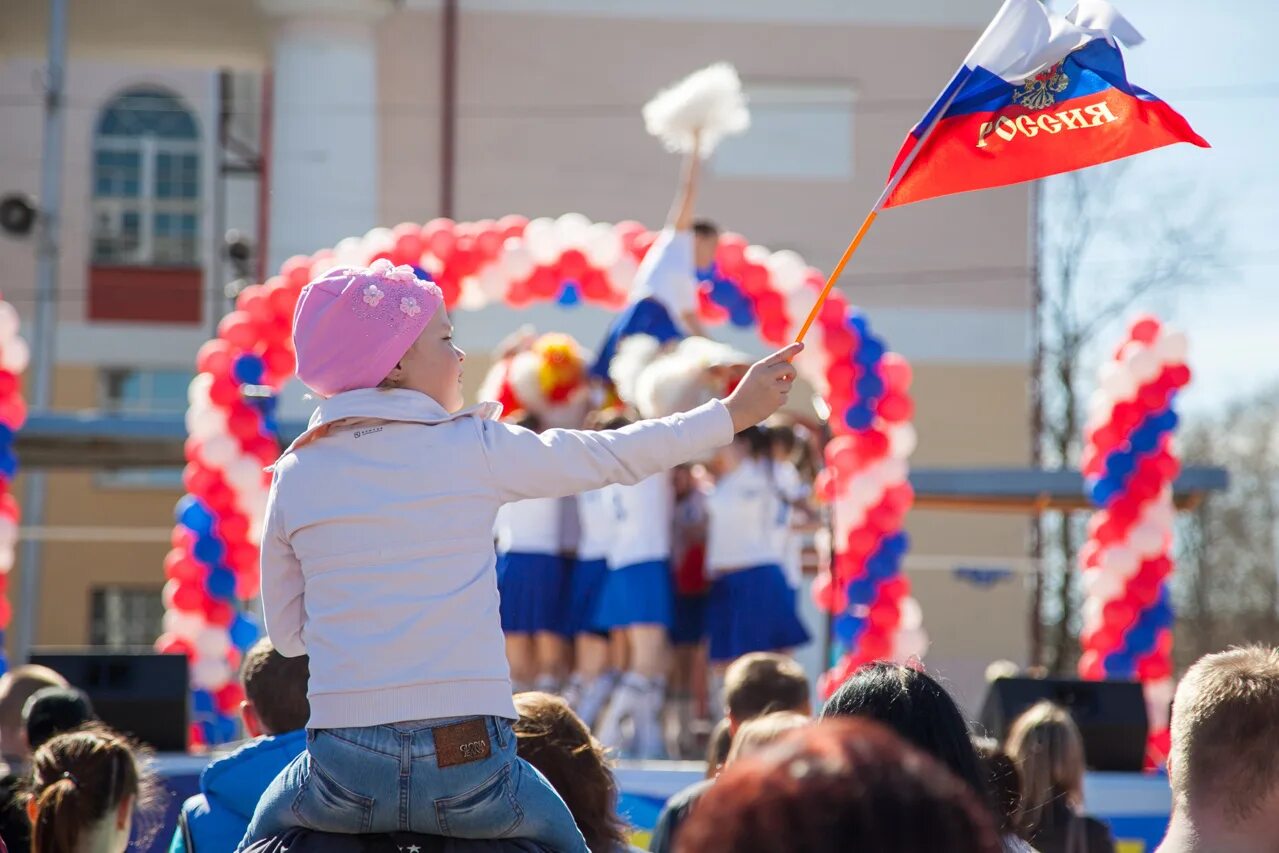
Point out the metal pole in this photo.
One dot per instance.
(41, 386)
(448, 106)
(1036, 422)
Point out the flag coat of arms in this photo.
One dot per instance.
(1038, 95)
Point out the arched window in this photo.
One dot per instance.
(146, 181)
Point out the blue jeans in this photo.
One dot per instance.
(397, 778)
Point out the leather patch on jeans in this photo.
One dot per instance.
(461, 743)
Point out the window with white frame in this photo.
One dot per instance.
(146, 181)
(136, 391)
(799, 131)
(124, 617)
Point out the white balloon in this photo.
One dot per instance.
(8, 532)
(198, 390)
(350, 252)
(1092, 608)
(6, 560)
(210, 673)
(516, 260)
(571, 230)
(219, 450)
(212, 641)
(9, 322)
(1102, 585)
(603, 246)
(892, 471)
(15, 355)
(378, 240)
(1117, 381)
(622, 274)
(902, 440)
(1159, 695)
(912, 615)
(786, 269)
(756, 254)
(542, 241)
(1119, 560)
(1148, 539)
(204, 422)
(910, 644)
(1172, 347)
(472, 297)
(1144, 365)
(182, 623)
(244, 474)
(1100, 406)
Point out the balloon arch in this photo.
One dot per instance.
(213, 564)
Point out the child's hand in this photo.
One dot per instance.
(764, 388)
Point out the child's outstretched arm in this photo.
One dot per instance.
(282, 586)
(523, 464)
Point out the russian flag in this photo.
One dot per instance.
(1038, 95)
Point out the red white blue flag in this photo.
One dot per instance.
(1038, 95)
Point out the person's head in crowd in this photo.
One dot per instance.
(751, 444)
(87, 788)
(1004, 782)
(835, 786)
(705, 242)
(54, 710)
(1224, 762)
(913, 704)
(761, 682)
(16, 687)
(553, 739)
(757, 734)
(782, 438)
(274, 691)
(1049, 752)
(718, 747)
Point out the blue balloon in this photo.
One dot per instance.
(227, 728)
(861, 591)
(8, 463)
(221, 584)
(708, 273)
(1103, 491)
(1140, 639)
(422, 274)
(209, 730)
(1144, 439)
(248, 369)
(193, 514)
(870, 387)
(870, 352)
(202, 701)
(897, 545)
(1119, 665)
(857, 322)
(1168, 421)
(208, 550)
(1120, 464)
(244, 633)
(880, 567)
(742, 316)
(570, 295)
(6, 434)
(848, 628)
(858, 417)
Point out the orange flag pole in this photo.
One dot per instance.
(893, 181)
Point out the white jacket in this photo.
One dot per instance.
(377, 548)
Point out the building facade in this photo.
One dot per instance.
(301, 122)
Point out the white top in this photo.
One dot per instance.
(530, 527)
(595, 513)
(377, 546)
(641, 522)
(743, 509)
(668, 273)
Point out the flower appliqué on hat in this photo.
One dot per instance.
(373, 295)
(410, 307)
(403, 274)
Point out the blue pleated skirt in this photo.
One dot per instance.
(533, 590)
(752, 610)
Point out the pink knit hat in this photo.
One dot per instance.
(352, 326)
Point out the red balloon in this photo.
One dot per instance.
(1118, 615)
(828, 596)
(513, 225)
(731, 253)
(438, 237)
(184, 595)
(248, 585)
(228, 697)
(824, 485)
(180, 567)
(1153, 396)
(884, 616)
(1144, 329)
(244, 558)
(862, 541)
(233, 528)
(834, 311)
(13, 412)
(895, 408)
(8, 383)
(754, 279)
(900, 497)
(773, 332)
(843, 451)
(573, 265)
(280, 361)
(1091, 667)
(238, 330)
(839, 376)
(218, 613)
(181, 537)
(542, 283)
(408, 243)
(519, 295)
(896, 372)
(894, 589)
(171, 644)
(874, 645)
(243, 423)
(707, 309)
(1179, 375)
(1154, 667)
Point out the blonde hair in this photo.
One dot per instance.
(1225, 726)
(760, 732)
(1049, 752)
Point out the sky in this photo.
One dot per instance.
(1215, 62)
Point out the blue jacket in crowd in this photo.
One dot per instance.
(215, 820)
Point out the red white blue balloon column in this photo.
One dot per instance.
(1130, 466)
(516, 262)
(14, 356)
(865, 484)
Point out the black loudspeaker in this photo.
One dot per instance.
(141, 694)
(1111, 715)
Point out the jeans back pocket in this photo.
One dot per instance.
(489, 810)
(325, 805)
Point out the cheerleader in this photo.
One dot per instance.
(593, 680)
(687, 695)
(750, 608)
(636, 599)
(532, 577)
(793, 494)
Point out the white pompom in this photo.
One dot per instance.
(709, 101)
